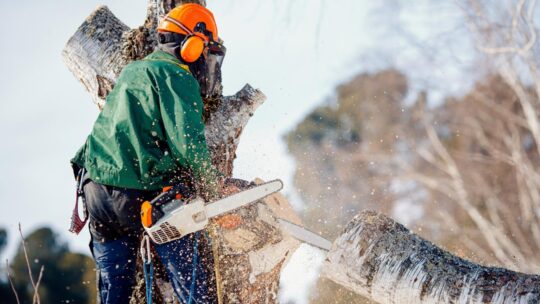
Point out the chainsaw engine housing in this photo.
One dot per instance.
(179, 219)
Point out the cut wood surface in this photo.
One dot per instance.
(93, 54)
(252, 255)
(384, 261)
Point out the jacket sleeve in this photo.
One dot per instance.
(181, 110)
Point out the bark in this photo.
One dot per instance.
(248, 259)
(225, 124)
(382, 260)
(92, 53)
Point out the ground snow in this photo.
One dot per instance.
(300, 275)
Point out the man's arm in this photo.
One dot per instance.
(181, 111)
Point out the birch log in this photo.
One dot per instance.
(383, 261)
(248, 258)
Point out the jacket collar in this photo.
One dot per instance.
(162, 55)
(159, 55)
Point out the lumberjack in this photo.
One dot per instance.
(149, 135)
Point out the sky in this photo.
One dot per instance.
(296, 52)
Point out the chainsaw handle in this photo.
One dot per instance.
(151, 211)
(169, 195)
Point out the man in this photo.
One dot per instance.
(149, 135)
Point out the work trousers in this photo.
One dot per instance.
(116, 228)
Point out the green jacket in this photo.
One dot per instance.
(150, 129)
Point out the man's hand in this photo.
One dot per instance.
(229, 189)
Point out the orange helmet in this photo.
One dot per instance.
(194, 21)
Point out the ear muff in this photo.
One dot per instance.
(192, 48)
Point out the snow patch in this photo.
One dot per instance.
(299, 276)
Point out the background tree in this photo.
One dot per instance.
(464, 173)
(6, 295)
(68, 277)
(3, 239)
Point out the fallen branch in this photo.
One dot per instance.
(384, 261)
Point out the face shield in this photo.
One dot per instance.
(211, 82)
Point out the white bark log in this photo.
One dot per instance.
(92, 53)
(382, 260)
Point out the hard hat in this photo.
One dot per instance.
(195, 22)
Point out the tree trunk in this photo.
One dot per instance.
(249, 258)
(382, 260)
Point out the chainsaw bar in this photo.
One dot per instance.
(302, 234)
(242, 198)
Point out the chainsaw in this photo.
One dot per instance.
(174, 213)
(171, 216)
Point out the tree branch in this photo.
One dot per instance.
(382, 260)
(36, 294)
(11, 283)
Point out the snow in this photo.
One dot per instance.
(299, 276)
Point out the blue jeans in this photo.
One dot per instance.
(115, 228)
(187, 269)
(116, 261)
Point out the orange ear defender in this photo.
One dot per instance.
(192, 48)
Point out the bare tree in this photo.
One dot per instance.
(492, 178)
(35, 284)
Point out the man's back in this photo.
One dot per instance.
(150, 129)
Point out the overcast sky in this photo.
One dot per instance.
(296, 52)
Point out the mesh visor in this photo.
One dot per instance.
(216, 51)
(214, 60)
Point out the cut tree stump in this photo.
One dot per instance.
(384, 261)
(252, 255)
